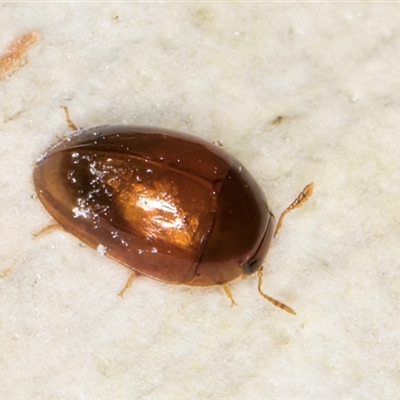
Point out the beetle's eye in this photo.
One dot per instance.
(251, 267)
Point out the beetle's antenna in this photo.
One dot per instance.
(273, 301)
(300, 200)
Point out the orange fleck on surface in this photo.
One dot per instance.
(13, 58)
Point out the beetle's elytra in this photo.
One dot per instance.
(165, 204)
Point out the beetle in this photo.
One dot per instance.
(165, 204)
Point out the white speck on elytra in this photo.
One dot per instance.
(102, 250)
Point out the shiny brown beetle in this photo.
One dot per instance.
(165, 204)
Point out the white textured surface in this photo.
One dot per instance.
(223, 72)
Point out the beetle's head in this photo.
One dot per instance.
(254, 262)
(250, 267)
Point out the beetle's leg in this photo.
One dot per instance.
(128, 284)
(273, 301)
(228, 292)
(47, 229)
(300, 200)
(69, 120)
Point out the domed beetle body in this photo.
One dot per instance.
(165, 204)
